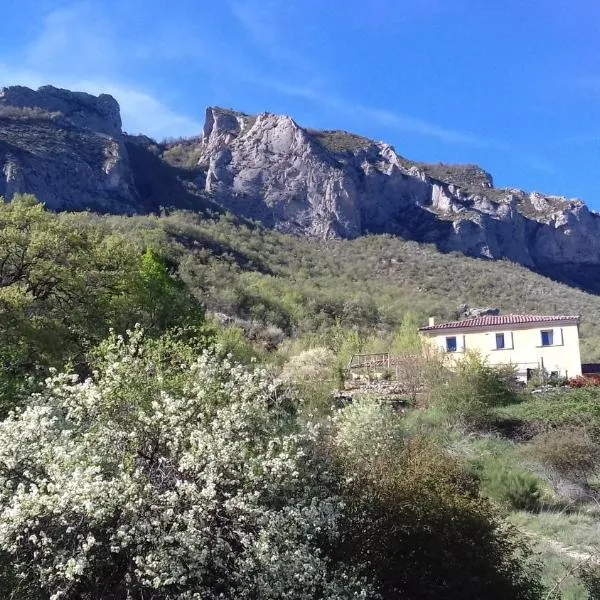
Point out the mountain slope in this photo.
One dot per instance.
(304, 285)
(66, 148)
(334, 184)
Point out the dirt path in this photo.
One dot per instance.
(577, 553)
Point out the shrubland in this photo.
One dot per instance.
(168, 474)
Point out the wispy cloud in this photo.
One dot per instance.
(77, 38)
(77, 41)
(405, 123)
(535, 162)
(381, 116)
(425, 128)
(140, 111)
(258, 21)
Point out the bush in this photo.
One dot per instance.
(474, 390)
(164, 479)
(511, 486)
(315, 364)
(568, 453)
(584, 381)
(416, 520)
(559, 408)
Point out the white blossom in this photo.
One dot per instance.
(209, 491)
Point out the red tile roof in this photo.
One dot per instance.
(495, 320)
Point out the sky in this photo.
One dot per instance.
(511, 85)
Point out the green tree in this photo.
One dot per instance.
(163, 300)
(473, 390)
(64, 283)
(57, 283)
(407, 340)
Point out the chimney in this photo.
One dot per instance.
(431, 321)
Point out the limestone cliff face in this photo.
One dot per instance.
(335, 184)
(66, 148)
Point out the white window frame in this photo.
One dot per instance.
(496, 336)
(509, 342)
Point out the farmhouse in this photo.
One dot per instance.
(533, 343)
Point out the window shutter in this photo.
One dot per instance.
(558, 336)
(460, 343)
(492, 337)
(508, 340)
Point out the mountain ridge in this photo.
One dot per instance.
(68, 148)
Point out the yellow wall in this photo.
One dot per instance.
(523, 346)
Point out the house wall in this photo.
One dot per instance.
(523, 347)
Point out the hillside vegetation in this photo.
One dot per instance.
(175, 421)
(303, 285)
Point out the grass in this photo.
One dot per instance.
(466, 176)
(339, 141)
(560, 407)
(563, 542)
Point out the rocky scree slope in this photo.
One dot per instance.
(68, 149)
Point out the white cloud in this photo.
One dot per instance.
(143, 113)
(384, 117)
(78, 41)
(259, 23)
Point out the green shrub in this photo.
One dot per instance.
(411, 506)
(569, 452)
(512, 486)
(314, 364)
(474, 390)
(569, 407)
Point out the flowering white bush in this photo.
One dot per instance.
(367, 431)
(145, 483)
(310, 365)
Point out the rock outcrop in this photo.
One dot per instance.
(66, 148)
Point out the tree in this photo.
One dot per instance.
(406, 339)
(166, 479)
(64, 283)
(163, 300)
(57, 285)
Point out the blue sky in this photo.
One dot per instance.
(513, 86)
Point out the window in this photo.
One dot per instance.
(548, 338)
(500, 341)
(451, 344)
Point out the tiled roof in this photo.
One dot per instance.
(494, 320)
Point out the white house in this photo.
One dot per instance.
(530, 342)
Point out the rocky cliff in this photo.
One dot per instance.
(68, 149)
(65, 147)
(336, 184)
